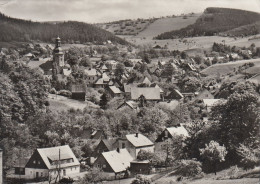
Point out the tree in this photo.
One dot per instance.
(141, 180)
(189, 168)
(168, 70)
(214, 153)
(96, 175)
(237, 120)
(103, 101)
(120, 69)
(85, 61)
(250, 156)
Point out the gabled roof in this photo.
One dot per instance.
(139, 140)
(156, 86)
(127, 87)
(131, 104)
(90, 72)
(52, 154)
(109, 143)
(178, 131)
(146, 81)
(104, 67)
(115, 90)
(105, 77)
(118, 161)
(148, 93)
(100, 81)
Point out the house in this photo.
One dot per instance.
(168, 134)
(105, 145)
(134, 143)
(116, 161)
(140, 167)
(114, 91)
(49, 162)
(91, 76)
(128, 105)
(78, 92)
(100, 83)
(188, 96)
(151, 94)
(146, 81)
(174, 95)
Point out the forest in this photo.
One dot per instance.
(13, 29)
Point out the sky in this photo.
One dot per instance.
(97, 11)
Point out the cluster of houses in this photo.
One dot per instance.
(114, 156)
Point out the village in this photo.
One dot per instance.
(168, 81)
(166, 100)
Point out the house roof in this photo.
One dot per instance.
(118, 161)
(105, 77)
(148, 93)
(77, 88)
(127, 87)
(115, 90)
(210, 102)
(52, 153)
(130, 103)
(90, 72)
(66, 72)
(109, 143)
(100, 81)
(146, 81)
(178, 131)
(139, 141)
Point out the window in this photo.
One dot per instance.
(39, 162)
(123, 145)
(71, 169)
(41, 174)
(34, 161)
(64, 172)
(104, 166)
(75, 168)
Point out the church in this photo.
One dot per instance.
(58, 59)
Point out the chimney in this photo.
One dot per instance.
(118, 150)
(136, 135)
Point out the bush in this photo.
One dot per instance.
(189, 168)
(140, 179)
(66, 181)
(65, 93)
(52, 91)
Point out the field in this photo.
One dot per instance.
(62, 103)
(167, 24)
(225, 68)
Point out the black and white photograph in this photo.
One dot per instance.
(129, 91)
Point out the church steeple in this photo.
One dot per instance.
(58, 58)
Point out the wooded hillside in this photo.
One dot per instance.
(13, 29)
(213, 21)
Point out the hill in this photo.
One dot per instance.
(168, 24)
(213, 21)
(226, 68)
(19, 30)
(126, 27)
(250, 29)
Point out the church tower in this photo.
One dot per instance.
(58, 58)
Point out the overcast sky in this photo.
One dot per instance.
(93, 11)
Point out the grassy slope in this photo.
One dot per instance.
(215, 20)
(225, 68)
(62, 103)
(167, 24)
